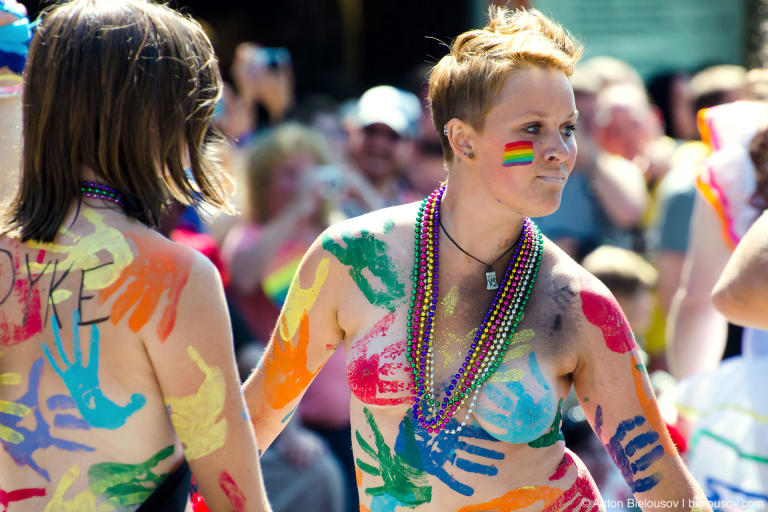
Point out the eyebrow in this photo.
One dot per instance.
(539, 113)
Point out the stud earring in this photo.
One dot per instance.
(445, 130)
(469, 154)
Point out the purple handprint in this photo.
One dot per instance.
(40, 438)
(622, 454)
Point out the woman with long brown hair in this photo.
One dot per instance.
(117, 372)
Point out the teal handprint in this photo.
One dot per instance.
(83, 381)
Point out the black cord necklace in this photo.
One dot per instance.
(491, 283)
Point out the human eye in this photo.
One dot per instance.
(569, 129)
(533, 128)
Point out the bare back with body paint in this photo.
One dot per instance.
(117, 370)
(110, 371)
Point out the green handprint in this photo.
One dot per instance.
(401, 482)
(127, 484)
(363, 252)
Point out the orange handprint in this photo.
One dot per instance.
(285, 365)
(517, 499)
(650, 407)
(153, 271)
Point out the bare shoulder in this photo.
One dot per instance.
(600, 322)
(394, 223)
(573, 289)
(371, 258)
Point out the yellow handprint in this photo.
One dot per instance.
(82, 254)
(82, 502)
(194, 416)
(301, 300)
(14, 409)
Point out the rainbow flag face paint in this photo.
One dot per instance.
(518, 153)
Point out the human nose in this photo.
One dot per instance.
(560, 149)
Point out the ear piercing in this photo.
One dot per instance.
(469, 154)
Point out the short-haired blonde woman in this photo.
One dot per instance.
(463, 327)
(117, 372)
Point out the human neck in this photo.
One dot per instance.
(478, 223)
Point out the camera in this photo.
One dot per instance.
(272, 58)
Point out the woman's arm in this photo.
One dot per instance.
(741, 293)
(696, 331)
(306, 335)
(195, 368)
(617, 398)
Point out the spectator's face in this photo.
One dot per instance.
(378, 151)
(286, 179)
(626, 133)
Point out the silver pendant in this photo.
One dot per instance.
(490, 280)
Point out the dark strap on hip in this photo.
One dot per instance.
(172, 494)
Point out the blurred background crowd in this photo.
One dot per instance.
(325, 117)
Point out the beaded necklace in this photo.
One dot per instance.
(494, 335)
(95, 190)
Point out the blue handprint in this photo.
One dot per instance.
(66, 420)
(432, 454)
(40, 438)
(621, 454)
(83, 381)
(510, 408)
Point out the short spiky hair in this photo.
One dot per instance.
(127, 89)
(466, 82)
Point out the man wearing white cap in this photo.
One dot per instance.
(381, 132)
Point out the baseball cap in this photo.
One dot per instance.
(396, 108)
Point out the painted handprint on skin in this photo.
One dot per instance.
(32, 440)
(581, 496)
(626, 455)
(402, 484)
(376, 373)
(603, 311)
(285, 365)
(127, 485)
(84, 501)
(299, 300)
(369, 258)
(196, 417)
(8, 497)
(514, 412)
(82, 253)
(83, 381)
(153, 273)
(439, 454)
(24, 291)
(11, 408)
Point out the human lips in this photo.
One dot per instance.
(557, 179)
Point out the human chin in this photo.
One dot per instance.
(548, 203)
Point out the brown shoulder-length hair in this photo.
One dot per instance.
(126, 89)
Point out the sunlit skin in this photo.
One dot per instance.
(504, 461)
(113, 371)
